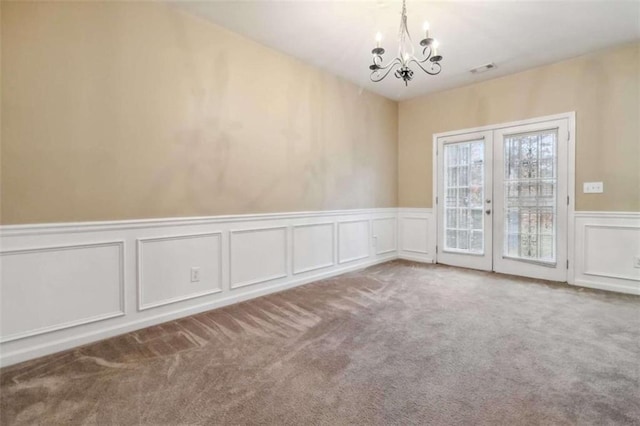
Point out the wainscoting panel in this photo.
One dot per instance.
(66, 284)
(417, 235)
(164, 268)
(353, 240)
(45, 289)
(384, 235)
(606, 245)
(313, 247)
(257, 255)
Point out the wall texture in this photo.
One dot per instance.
(604, 90)
(135, 110)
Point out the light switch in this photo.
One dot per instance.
(593, 187)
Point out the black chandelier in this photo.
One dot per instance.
(406, 55)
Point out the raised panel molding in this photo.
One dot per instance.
(310, 257)
(415, 233)
(165, 269)
(256, 257)
(606, 244)
(606, 251)
(385, 235)
(267, 257)
(45, 272)
(353, 240)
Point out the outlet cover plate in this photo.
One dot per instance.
(195, 274)
(593, 187)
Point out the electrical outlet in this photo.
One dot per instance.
(636, 262)
(195, 274)
(593, 187)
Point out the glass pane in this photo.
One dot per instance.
(477, 242)
(463, 240)
(464, 189)
(451, 238)
(452, 217)
(530, 188)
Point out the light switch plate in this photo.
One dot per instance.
(593, 187)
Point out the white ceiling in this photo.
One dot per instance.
(338, 35)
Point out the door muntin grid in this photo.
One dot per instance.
(530, 197)
(464, 196)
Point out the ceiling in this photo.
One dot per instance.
(338, 35)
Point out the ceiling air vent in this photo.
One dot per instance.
(483, 68)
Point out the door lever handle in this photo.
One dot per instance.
(487, 211)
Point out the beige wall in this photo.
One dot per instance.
(604, 90)
(134, 110)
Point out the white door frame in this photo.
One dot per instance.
(571, 172)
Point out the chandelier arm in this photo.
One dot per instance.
(395, 61)
(419, 63)
(424, 53)
(389, 68)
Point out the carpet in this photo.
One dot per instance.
(395, 344)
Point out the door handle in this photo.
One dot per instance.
(487, 211)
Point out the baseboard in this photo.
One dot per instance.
(421, 259)
(631, 288)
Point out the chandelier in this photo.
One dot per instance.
(429, 64)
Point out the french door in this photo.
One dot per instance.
(502, 199)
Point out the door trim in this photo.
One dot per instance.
(571, 172)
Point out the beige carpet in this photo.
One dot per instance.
(398, 343)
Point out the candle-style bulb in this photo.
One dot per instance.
(378, 38)
(435, 46)
(425, 28)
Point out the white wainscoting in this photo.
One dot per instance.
(45, 289)
(385, 235)
(416, 231)
(65, 285)
(313, 247)
(354, 240)
(258, 255)
(605, 246)
(164, 268)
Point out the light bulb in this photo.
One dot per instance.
(434, 47)
(378, 38)
(425, 26)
